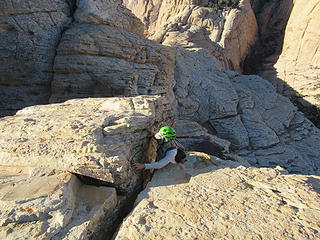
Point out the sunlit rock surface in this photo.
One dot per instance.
(220, 199)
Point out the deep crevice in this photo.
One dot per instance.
(112, 222)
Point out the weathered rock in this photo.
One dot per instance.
(202, 90)
(29, 33)
(54, 205)
(92, 137)
(299, 63)
(260, 135)
(226, 34)
(278, 134)
(232, 128)
(194, 137)
(97, 57)
(110, 13)
(217, 199)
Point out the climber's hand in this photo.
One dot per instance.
(137, 165)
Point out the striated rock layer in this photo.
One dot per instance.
(29, 33)
(92, 137)
(102, 56)
(216, 199)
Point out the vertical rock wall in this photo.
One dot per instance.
(29, 34)
(102, 55)
(299, 63)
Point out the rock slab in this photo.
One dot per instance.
(92, 137)
(217, 199)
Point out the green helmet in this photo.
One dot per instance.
(168, 133)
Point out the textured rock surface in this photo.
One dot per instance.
(194, 137)
(227, 34)
(202, 90)
(98, 56)
(51, 205)
(268, 128)
(299, 63)
(217, 199)
(247, 111)
(110, 13)
(232, 128)
(29, 33)
(93, 137)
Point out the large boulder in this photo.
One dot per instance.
(97, 138)
(214, 199)
(102, 56)
(29, 34)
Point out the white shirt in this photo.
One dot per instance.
(169, 158)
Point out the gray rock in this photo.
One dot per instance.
(103, 61)
(194, 137)
(260, 135)
(202, 91)
(257, 93)
(231, 128)
(29, 33)
(279, 117)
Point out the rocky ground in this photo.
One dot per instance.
(253, 161)
(214, 199)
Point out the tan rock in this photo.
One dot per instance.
(216, 199)
(53, 205)
(92, 137)
(226, 34)
(299, 63)
(110, 13)
(100, 56)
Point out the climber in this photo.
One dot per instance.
(169, 150)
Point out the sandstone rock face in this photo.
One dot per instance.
(98, 56)
(54, 205)
(95, 138)
(29, 33)
(299, 63)
(217, 199)
(92, 137)
(261, 125)
(110, 13)
(202, 90)
(276, 133)
(227, 34)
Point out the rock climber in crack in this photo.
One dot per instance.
(169, 150)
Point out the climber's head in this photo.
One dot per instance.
(168, 133)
